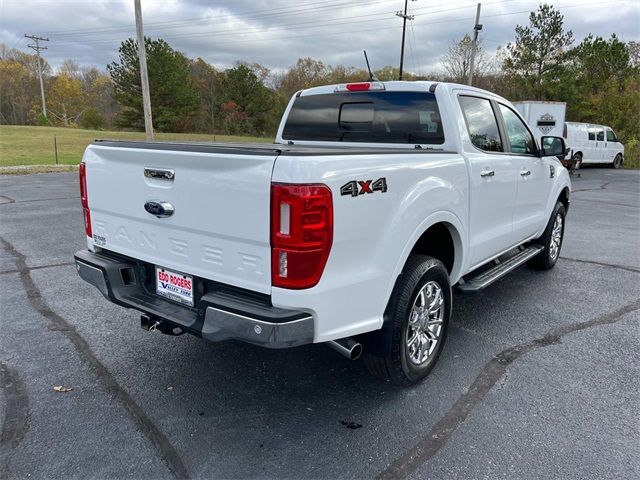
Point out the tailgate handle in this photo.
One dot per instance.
(159, 173)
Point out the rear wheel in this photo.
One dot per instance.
(420, 308)
(551, 240)
(617, 162)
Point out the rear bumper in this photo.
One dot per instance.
(220, 312)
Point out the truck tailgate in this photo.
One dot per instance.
(221, 198)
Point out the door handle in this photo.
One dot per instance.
(525, 173)
(487, 173)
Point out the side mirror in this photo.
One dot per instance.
(553, 146)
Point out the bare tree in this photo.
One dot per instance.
(633, 48)
(457, 60)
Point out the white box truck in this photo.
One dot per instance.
(545, 119)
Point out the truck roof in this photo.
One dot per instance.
(402, 85)
(539, 102)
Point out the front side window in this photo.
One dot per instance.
(600, 135)
(374, 117)
(482, 123)
(611, 137)
(519, 136)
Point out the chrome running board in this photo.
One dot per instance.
(487, 277)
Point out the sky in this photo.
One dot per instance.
(276, 33)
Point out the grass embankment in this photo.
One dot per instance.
(29, 145)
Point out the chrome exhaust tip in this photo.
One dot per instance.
(347, 347)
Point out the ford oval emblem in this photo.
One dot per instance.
(159, 208)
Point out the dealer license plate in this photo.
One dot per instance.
(174, 286)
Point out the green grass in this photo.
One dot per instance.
(28, 145)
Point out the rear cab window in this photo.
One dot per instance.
(481, 123)
(367, 117)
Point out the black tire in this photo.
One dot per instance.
(545, 260)
(577, 158)
(397, 366)
(617, 162)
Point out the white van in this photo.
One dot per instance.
(591, 143)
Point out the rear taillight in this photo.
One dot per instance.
(301, 234)
(564, 131)
(84, 199)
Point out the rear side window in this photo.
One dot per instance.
(600, 135)
(374, 117)
(592, 134)
(482, 123)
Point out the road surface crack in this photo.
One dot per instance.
(16, 415)
(491, 373)
(165, 449)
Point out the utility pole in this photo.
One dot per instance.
(404, 17)
(37, 47)
(476, 30)
(144, 76)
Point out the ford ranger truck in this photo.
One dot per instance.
(375, 201)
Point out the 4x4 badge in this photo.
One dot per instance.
(360, 187)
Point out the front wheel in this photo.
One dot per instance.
(551, 240)
(577, 161)
(420, 308)
(617, 162)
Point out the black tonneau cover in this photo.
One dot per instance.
(261, 148)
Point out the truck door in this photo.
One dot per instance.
(533, 176)
(493, 181)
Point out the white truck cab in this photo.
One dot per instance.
(352, 229)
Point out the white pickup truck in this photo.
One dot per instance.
(376, 199)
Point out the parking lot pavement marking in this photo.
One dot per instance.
(16, 416)
(165, 449)
(493, 371)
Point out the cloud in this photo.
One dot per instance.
(276, 33)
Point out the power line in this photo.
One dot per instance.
(350, 32)
(37, 47)
(259, 14)
(286, 26)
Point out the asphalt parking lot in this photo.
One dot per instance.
(540, 376)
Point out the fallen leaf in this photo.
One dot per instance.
(61, 389)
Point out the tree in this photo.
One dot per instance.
(173, 97)
(66, 99)
(389, 73)
(536, 59)
(16, 100)
(457, 60)
(634, 53)
(306, 73)
(205, 80)
(19, 86)
(248, 102)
